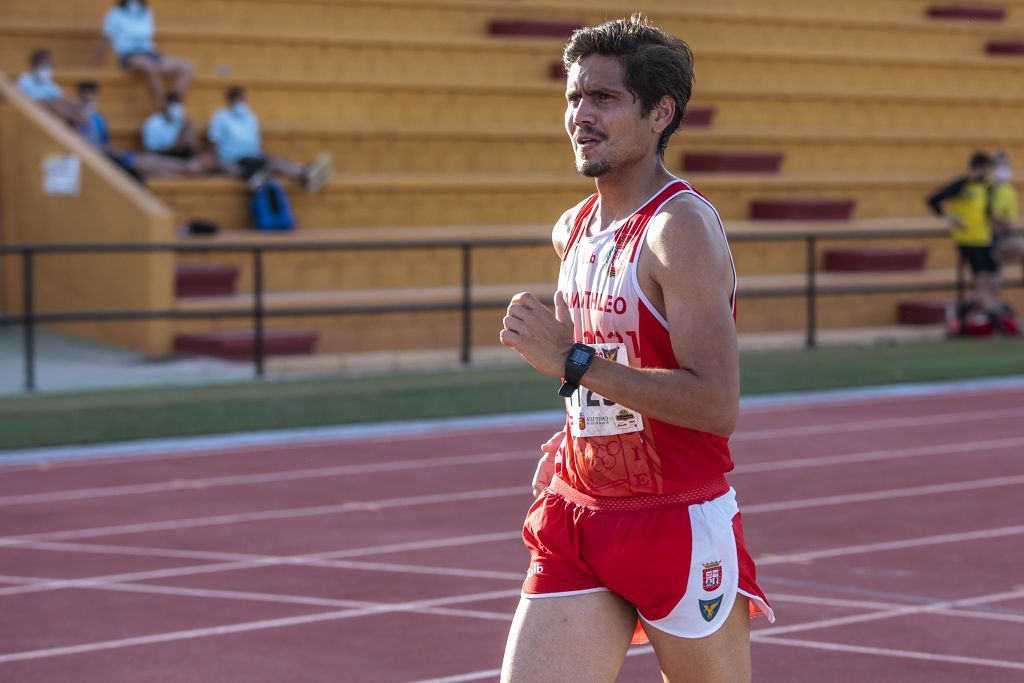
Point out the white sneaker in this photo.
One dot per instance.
(318, 172)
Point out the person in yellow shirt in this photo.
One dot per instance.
(965, 203)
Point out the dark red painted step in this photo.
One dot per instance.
(241, 344)
(732, 162)
(557, 72)
(923, 312)
(204, 280)
(698, 117)
(968, 12)
(533, 28)
(1008, 48)
(864, 260)
(801, 209)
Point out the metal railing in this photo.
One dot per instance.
(258, 312)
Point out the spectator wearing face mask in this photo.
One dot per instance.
(235, 132)
(129, 28)
(1004, 212)
(37, 84)
(139, 165)
(171, 133)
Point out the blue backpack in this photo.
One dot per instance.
(270, 209)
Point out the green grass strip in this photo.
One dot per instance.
(103, 416)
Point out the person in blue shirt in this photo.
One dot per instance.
(93, 126)
(37, 84)
(171, 133)
(139, 165)
(235, 132)
(128, 29)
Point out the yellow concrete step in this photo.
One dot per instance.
(370, 148)
(396, 199)
(333, 102)
(872, 25)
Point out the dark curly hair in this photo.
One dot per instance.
(654, 63)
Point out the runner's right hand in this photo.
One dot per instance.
(546, 465)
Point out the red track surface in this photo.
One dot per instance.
(888, 531)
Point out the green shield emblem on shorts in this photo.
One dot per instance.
(709, 608)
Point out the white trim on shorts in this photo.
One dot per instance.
(563, 594)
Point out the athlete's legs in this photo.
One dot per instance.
(1010, 249)
(568, 639)
(722, 657)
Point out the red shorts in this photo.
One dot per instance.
(679, 558)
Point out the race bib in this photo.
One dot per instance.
(594, 415)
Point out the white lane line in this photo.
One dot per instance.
(968, 448)
(818, 600)
(250, 596)
(886, 652)
(262, 478)
(908, 492)
(902, 544)
(423, 463)
(956, 390)
(267, 515)
(291, 440)
(767, 636)
(240, 561)
(323, 437)
(248, 626)
(877, 424)
(494, 673)
(893, 613)
(258, 561)
(457, 496)
(425, 544)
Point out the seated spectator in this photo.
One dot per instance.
(170, 132)
(93, 126)
(37, 84)
(128, 28)
(139, 165)
(235, 132)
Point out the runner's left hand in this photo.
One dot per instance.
(546, 466)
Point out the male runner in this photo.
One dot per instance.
(638, 518)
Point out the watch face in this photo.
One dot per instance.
(579, 356)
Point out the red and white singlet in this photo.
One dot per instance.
(611, 450)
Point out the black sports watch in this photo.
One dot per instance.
(576, 363)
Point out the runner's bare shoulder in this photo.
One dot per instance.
(687, 237)
(560, 233)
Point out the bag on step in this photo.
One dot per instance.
(270, 209)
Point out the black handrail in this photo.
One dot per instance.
(258, 313)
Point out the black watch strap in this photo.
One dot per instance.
(576, 365)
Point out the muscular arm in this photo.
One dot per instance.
(685, 271)
(935, 201)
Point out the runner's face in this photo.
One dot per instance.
(603, 119)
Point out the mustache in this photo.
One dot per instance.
(587, 132)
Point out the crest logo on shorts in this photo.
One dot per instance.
(583, 423)
(610, 354)
(712, 576)
(709, 608)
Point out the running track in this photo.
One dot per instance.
(888, 532)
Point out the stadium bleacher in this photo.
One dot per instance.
(444, 124)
